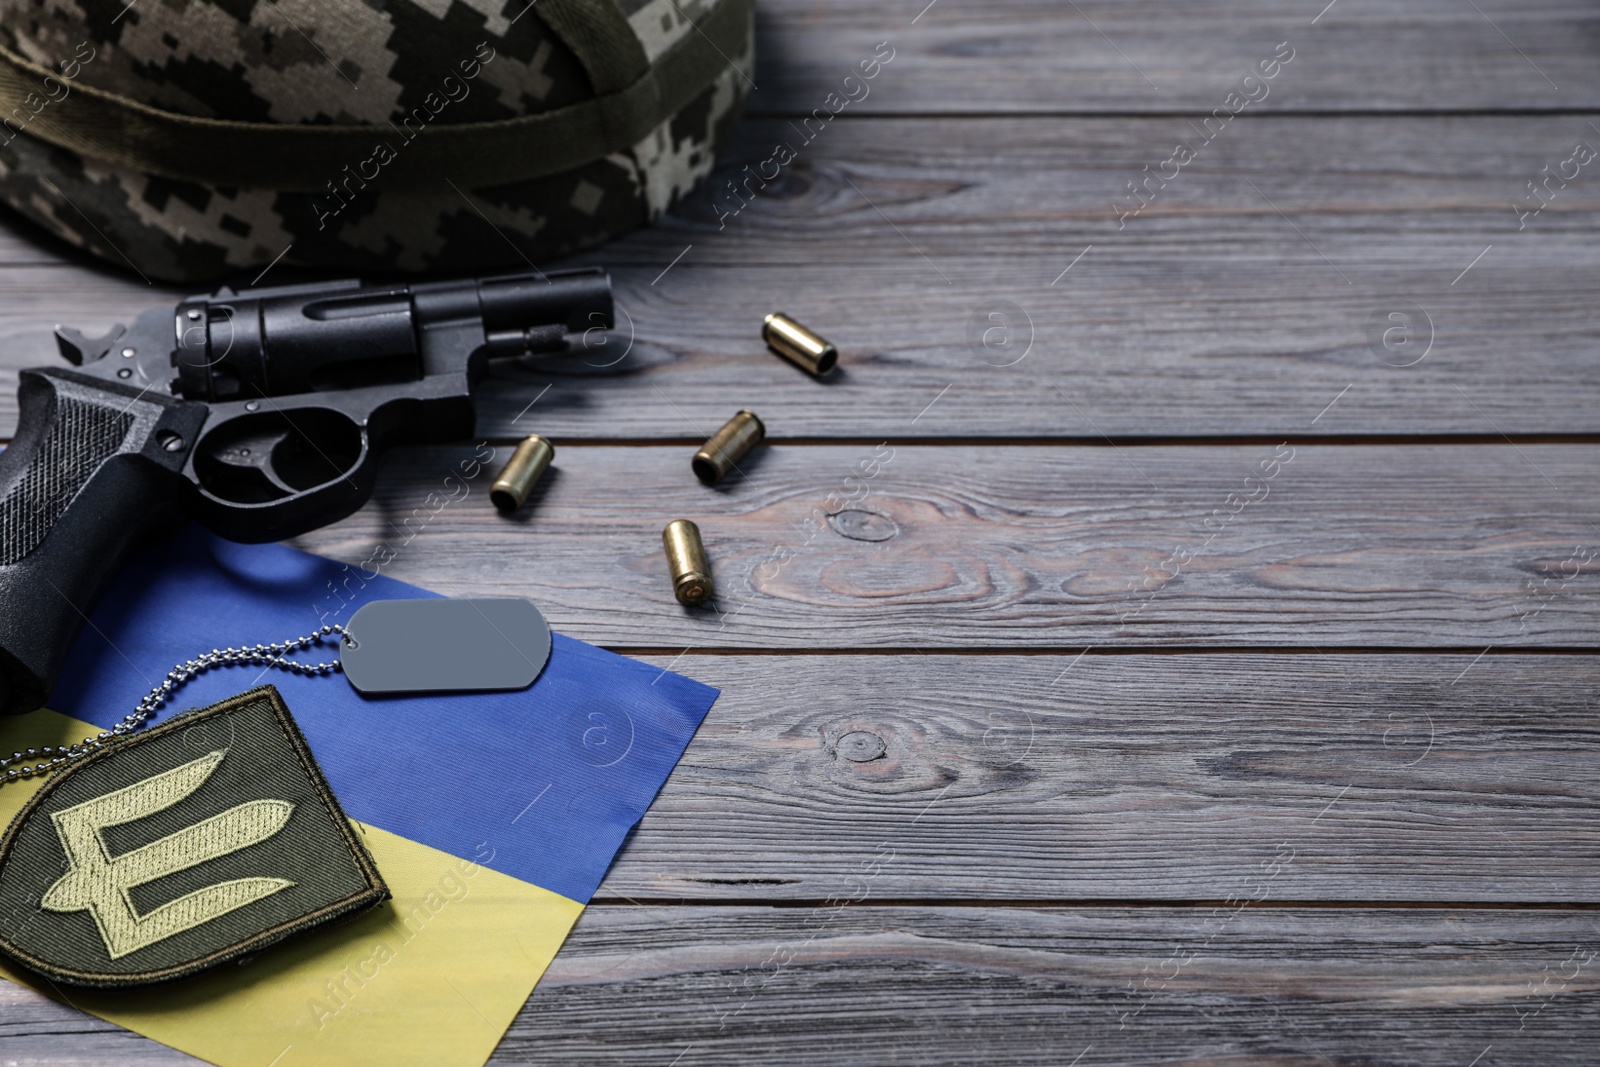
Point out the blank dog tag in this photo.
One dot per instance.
(445, 646)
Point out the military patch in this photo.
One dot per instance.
(200, 840)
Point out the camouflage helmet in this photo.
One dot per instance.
(191, 139)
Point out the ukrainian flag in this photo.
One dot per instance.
(492, 816)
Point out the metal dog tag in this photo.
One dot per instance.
(445, 646)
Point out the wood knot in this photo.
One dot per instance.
(859, 746)
(861, 525)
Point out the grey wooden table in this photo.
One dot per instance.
(1202, 671)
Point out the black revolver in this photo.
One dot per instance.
(260, 412)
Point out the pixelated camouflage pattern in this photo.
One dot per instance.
(312, 61)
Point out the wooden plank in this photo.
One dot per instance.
(1100, 56)
(1157, 778)
(874, 985)
(1044, 986)
(1018, 547)
(1208, 314)
(1398, 778)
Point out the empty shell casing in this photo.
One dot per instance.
(686, 556)
(728, 446)
(798, 345)
(521, 473)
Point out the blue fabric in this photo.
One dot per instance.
(549, 779)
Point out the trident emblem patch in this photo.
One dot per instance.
(145, 861)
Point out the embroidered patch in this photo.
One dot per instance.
(203, 839)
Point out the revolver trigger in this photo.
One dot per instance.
(77, 349)
(244, 462)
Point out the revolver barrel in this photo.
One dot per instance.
(286, 340)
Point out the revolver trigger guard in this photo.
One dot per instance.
(278, 455)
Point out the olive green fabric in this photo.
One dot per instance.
(193, 139)
(605, 44)
(169, 851)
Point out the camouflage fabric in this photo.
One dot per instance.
(390, 63)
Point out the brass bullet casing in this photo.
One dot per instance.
(521, 473)
(728, 446)
(799, 345)
(686, 556)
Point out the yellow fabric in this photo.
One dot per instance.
(433, 976)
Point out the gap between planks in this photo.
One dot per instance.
(1086, 903)
(1468, 440)
(1197, 113)
(1096, 651)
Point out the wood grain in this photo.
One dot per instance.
(1210, 313)
(1291, 987)
(1102, 56)
(1158, 778)
(1041, 986)
(986, 703)
(1020, 547)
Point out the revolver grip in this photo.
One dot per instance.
(91, 469)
